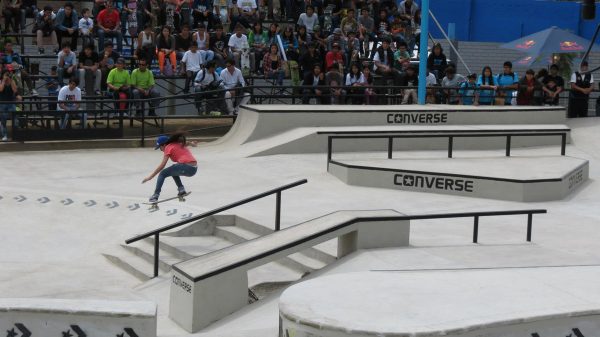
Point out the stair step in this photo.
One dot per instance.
(132, 264)
(187, 247)
(309, 262)
(273, 272)
(234, 234)
(145, 250)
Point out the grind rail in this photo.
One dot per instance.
(156, 233)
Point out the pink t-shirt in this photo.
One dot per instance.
(179, 154)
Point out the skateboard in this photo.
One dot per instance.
(154, 205)
(328, 20)
(294, 72)
(245, 59)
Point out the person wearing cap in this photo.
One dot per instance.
(582, 84)
(336, 37)
(554, 84)
(118, 82)
(176, 149)
(335, 56)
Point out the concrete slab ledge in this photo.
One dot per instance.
(80, 307)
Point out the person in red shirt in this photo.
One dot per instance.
(109, 25)
(175, 148)
(335, 55)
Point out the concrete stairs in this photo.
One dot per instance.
(212, 234)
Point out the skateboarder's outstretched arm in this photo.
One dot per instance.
(160, 167)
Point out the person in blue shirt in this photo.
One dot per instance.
(467, 90)
(508, 82)
(487, 87)
(66, 24)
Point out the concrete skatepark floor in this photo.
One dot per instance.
(61, 210)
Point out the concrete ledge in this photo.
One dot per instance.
(53, 317)
(546, 178)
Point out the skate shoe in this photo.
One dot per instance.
(181, 191)
(153, 198)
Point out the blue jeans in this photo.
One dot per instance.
(5, 111)
(175, 171)
(102, 34)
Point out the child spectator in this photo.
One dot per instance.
(401, 57)
(192, 61)
(86, 26)
(467, 90)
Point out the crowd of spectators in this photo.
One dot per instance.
(337, 48)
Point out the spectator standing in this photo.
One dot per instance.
(232, 82)
(109, 25)
(314, 86)
(142, 85)
(118, 82)
(352, 51)
(108, 60)
(334, 58)
(86, 27)
(67, 25)
(69, 99)
(165, 47)
(29, 9)
(236, 43)
(554, 84)
(407, 9)
(581, 86)
(67, 62)
(366, 29)
(89, 69)
(192, 63)
(146, 46)
(507, 82)
(468, 89)
(527, 88)
(44, 27)
(202, 40)
(308, 19)
(9, 56)
(172, 19)
(131, 10)
(8, 93)
(436, 61)
(257, 38)
(450, 85)
(486, 86)
(273, 66)
(384, 61)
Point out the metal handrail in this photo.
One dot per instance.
(450, 135)
(156, 232)
(299, 241)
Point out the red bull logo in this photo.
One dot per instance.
(570, 46)
(526, 45)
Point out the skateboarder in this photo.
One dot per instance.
(174, 148)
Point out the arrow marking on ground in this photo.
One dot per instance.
(24, 331)
(112, 205)
(133, 207)
(186, 216)
(171, 212)
(90, 203)
(43, 200)
(67, 202)
(20, 198)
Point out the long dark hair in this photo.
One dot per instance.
(178, 137)
(490, 78)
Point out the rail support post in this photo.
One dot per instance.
(278, 211)
(156, 246)
(529, 226)
(475, 228)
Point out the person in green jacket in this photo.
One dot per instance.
(118, 83)
(257, 39)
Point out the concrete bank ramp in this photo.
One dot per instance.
(282, 129)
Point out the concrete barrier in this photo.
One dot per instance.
(43, 317)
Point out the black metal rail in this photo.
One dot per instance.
(475, 215)
(447, 134)
(156, 233)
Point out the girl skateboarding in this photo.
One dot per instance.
(175, 148)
